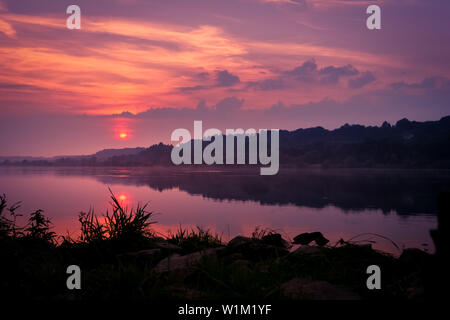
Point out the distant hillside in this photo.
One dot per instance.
(19, 158)
(108, 153)
(99, 157)
(407, 144)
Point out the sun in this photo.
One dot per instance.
(123, 135)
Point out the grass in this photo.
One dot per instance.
(119, 224)
(194, 239)
(91, 229)
(37, 228)
(260, 232)
(8, 226)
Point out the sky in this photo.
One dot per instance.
(139, 69)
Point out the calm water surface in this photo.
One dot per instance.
(340, 203)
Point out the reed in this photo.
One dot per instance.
(195, 239)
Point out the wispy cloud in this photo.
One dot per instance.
(206, 50)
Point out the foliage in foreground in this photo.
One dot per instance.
(119, 224)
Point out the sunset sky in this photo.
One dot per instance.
(138, 69)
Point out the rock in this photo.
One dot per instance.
(365, 246)
(164, 244)
(414, 256)
(234, 256)
(308, 250)
(177, 262)
(230, 258)
(148, 252)
(307, 238)
(275, 239)
(254, 249)
(312, 254)
(243, 266)
(304, 289)
(238, 241)
(151, 254)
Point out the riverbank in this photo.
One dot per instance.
(121, 258)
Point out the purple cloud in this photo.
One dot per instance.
(309, 73)
(434, 83)
(332, 74)
(306, 72)
(226, 79)
(364, 79)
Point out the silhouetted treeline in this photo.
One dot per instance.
(407, 144)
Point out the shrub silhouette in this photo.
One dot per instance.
(40, 227)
